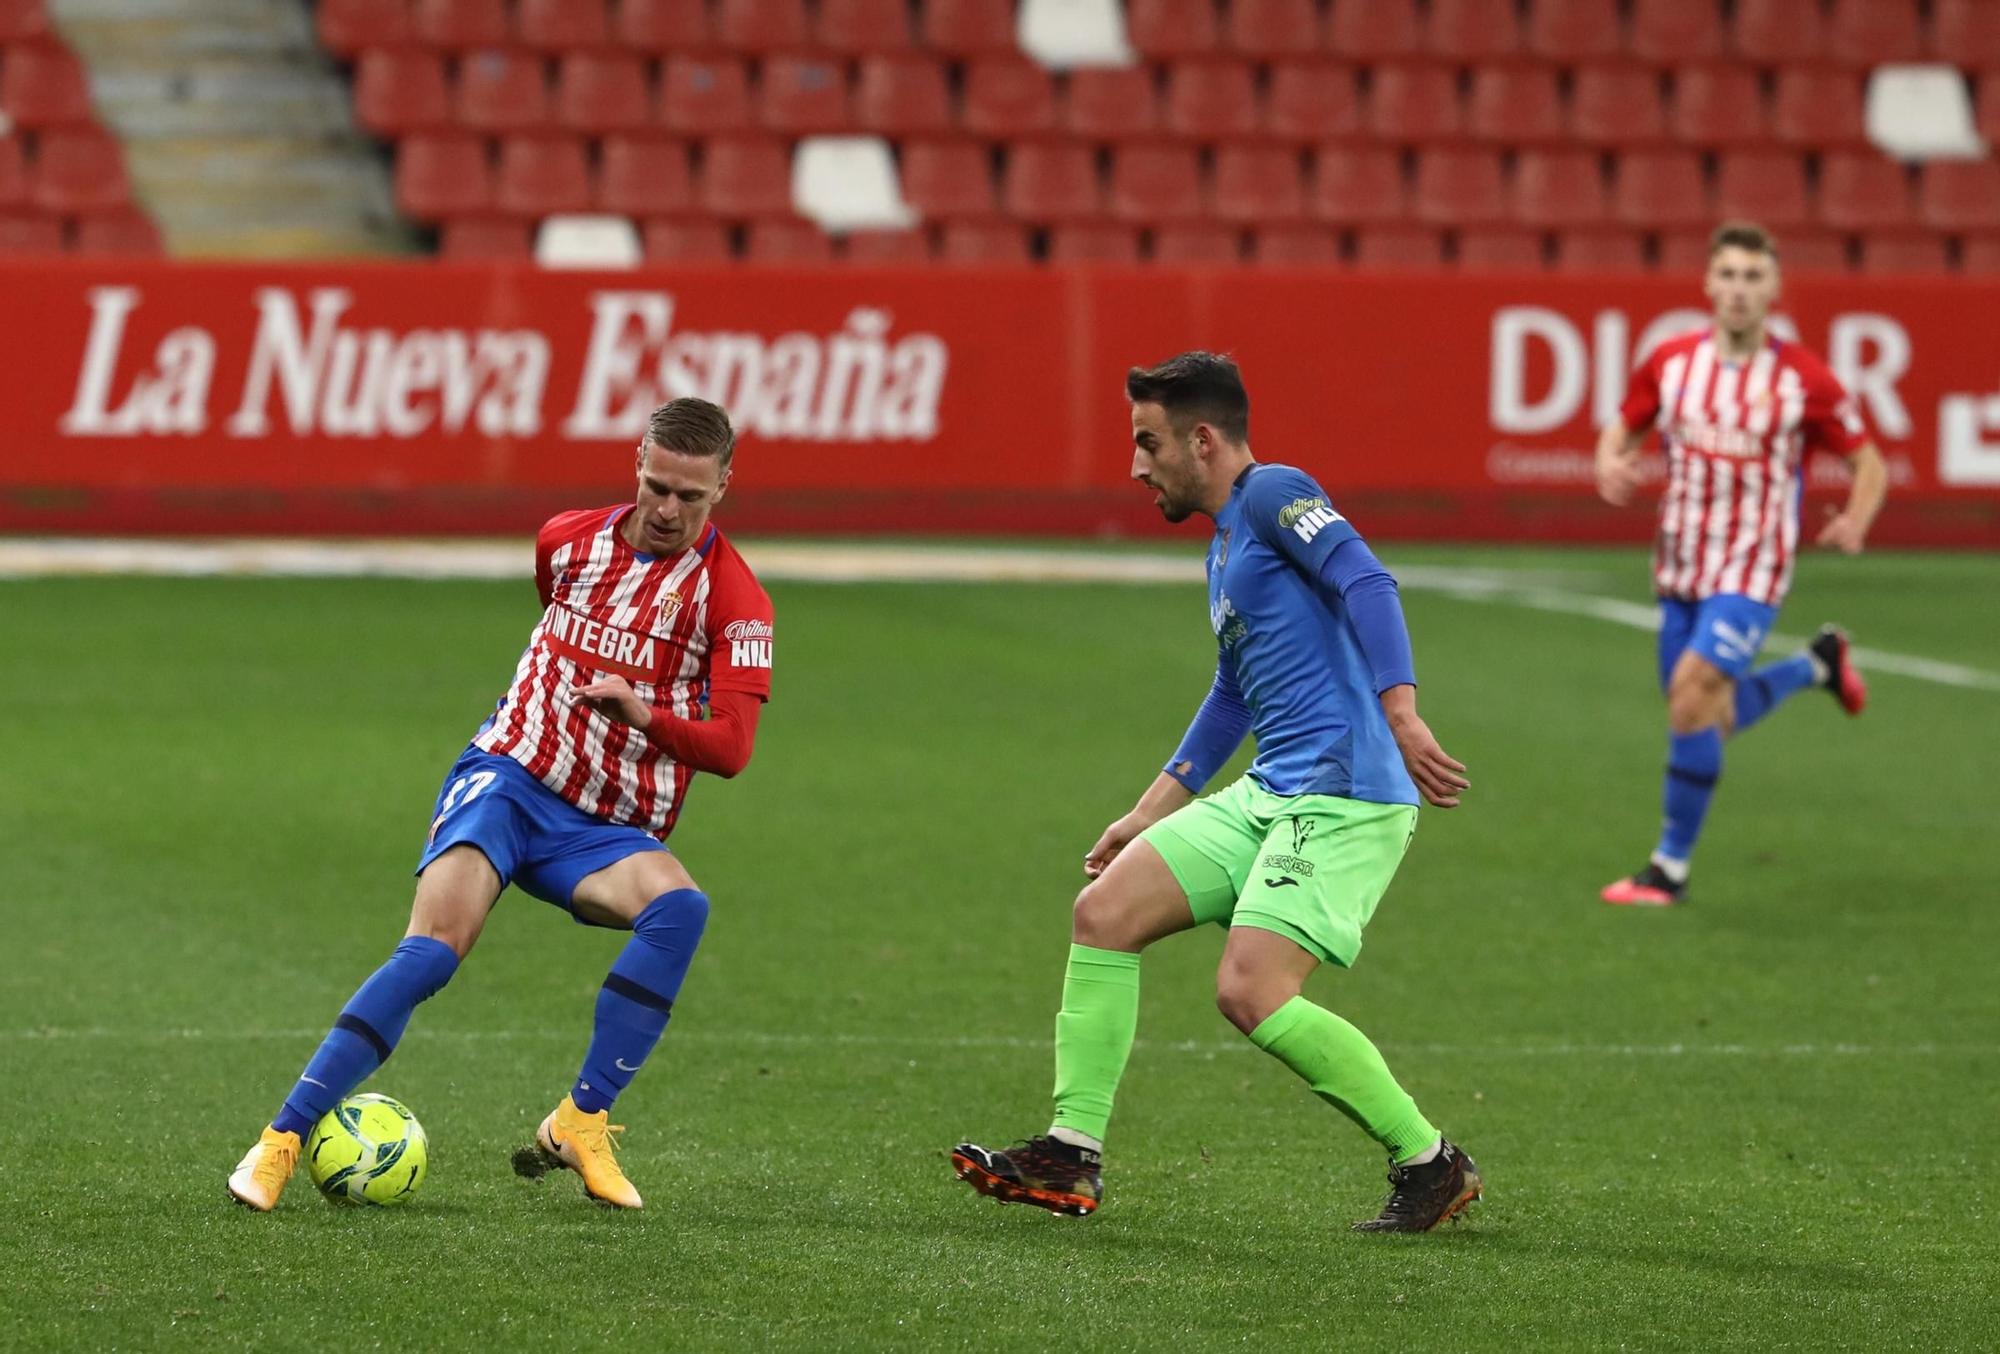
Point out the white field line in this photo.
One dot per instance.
(1195, 1047)
(835, 563)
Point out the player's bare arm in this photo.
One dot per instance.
(1162, 797)
(1437, 773)
(1618, 462)
(1847, 530)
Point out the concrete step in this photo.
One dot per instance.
(155, 97)
(187, 27)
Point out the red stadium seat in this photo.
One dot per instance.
(1271, 29)
(1868, 33)
(1295, 247)
(1863, 190)
(1960, 195)
(603, 92)
(1171, 28)
(43, 84)
(13, 173)
(745, 177)
(902, 94)
(399, 92)
(1768, 187)
(882, 248)
(1600, 251)
(1980, 254)
(970, 28)
(762, 25)
(1966, 33)
(1660, 188)
(1617, 106)
(863, 28)
(79, 170)
(1718, 106)
(1311, 101)
(1157, 183)
(1473, 31)
(803, 95)
(1354, 186)
(982, 242)
(1398, 247)
(1414, 103)
(461, 25)
(1042, 182)
(21, 233)
(1519, 105)
(1571, 31)
(1494, 249)
(501, 92)
(1560, 188)
(1008, 96)
(542, 176)
(347, 26)
(1460, 188)
(21, 19)
(1093, 242)
(684, 241)
(562, 25)
(1211, 100)
(1673, 31)
(1989, 105)
(945, 179)
(661, 27)
(1111, 103)
(1921, 254)
(704, 94)
(1818, 108)
(1198, 244)
(440, 175)
(1374, 30)
(1255, 185)
(125, 234)
(486, 239)
(643, 176)
(788, 242)
(1779, 32)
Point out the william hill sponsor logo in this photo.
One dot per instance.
(1306, 517)
(749, 643)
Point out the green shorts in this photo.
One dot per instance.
(1310, 867)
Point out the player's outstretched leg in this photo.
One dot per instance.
(633, 1006)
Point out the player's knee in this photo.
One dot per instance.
(682, 912)
(1245, 996)
(1099, 919)
(1695, 703)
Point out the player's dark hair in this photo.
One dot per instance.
(1197, 387)
(1742, 235)
(692, 427)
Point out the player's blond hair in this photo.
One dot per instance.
(1742, 235)
(693, 428)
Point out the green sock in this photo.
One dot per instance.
(1094, 1030)
(1347, 1072)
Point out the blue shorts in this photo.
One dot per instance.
(1727, 629)
(538, 841)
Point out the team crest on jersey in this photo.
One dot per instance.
(1222, 551)
(670, 606)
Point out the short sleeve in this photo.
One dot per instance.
(740, 633)
(1832, 421)
(1289, 512)
(1641, 404)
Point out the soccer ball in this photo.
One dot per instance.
(368, 1149)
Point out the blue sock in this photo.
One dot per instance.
(367, 1030)
(1769, 686)
(638, 995)
(1694, 764)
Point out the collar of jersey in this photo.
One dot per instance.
(700, 547)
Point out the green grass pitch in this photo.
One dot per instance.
(1764, 1120)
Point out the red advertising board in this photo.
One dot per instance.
(186, 398)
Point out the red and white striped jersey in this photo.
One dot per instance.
(675, 626)
(1735, 435)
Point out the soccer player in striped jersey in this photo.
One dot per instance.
(650, 617)
(1737, 408)
(1312, 655)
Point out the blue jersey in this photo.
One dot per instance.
(1287, 639)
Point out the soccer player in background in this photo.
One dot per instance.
(1736, 407)
(1293, 858)
(570, 788)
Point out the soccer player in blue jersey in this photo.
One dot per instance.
(1313, 658)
